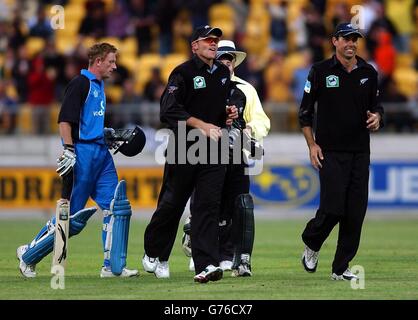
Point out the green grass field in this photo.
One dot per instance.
(388, 253)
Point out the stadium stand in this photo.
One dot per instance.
(250, 28)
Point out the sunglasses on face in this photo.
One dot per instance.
(209, 40)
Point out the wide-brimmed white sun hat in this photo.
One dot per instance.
(228, 46)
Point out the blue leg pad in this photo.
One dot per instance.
(79, 220)
(43, 243)
(121, 211)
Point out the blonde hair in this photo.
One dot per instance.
(100, 50)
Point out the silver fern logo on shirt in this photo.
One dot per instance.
(199, 82)
(332, 81)
(363, 81)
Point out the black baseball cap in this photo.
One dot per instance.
(345, 29)
(205, 31)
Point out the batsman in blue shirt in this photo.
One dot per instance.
(88, 170)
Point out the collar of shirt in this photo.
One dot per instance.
(200, 64)
(90, 75)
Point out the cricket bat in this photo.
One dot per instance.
(62, 224)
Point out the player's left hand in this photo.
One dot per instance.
(373, 121)
(232, 113)
(110, 138)
(66, 161)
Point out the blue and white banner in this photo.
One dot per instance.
(392, 184)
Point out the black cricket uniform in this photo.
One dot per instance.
(194, 89)
(236, 181)
(343, 100)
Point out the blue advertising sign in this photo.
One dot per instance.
(392, 184)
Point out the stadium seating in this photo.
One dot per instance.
(143, 68)
(114, 93)
(53, 116)
(65, 44)
(221, 11)
(129, 46)
(291, 63)
(169, 62)
(254, 36)
(34, 45)
(222, 16)
(404, 60)
(113, 40)
(24, 119)
(406, 80)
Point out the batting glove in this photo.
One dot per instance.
(66, 162)
(110, 138)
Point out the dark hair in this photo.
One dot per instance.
(100, 50)
(227, 56)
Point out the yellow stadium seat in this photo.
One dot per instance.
(414, 44)
(169, 62)
(227, 27)
(278, 92)
(406, 80)
(149, 61)
(87, 42)
(11, 91)
(114, 93)
(82, 2)
(74, 12)
(143, 68)
(129, 46)
(291, 62)
(65, 43)
(113, 41)
(34, 45)
(404, 60)
(109, 5)
(128, 61)
(71, 28)
(24, 120)
(221, 11)
(53, 117)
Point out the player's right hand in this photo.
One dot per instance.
(211, 131)
(66, 161)
(315, 153)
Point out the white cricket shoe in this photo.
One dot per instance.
(225, 265)
(191, 265)
(149, 264)
(163, 270)
(244, 268)
(126, 273)
(310, 259)
(211, 273)
(347, 275)
(27, 270)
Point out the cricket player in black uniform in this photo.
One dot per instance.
(345, 90)
(237, 225)
(195, 98)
